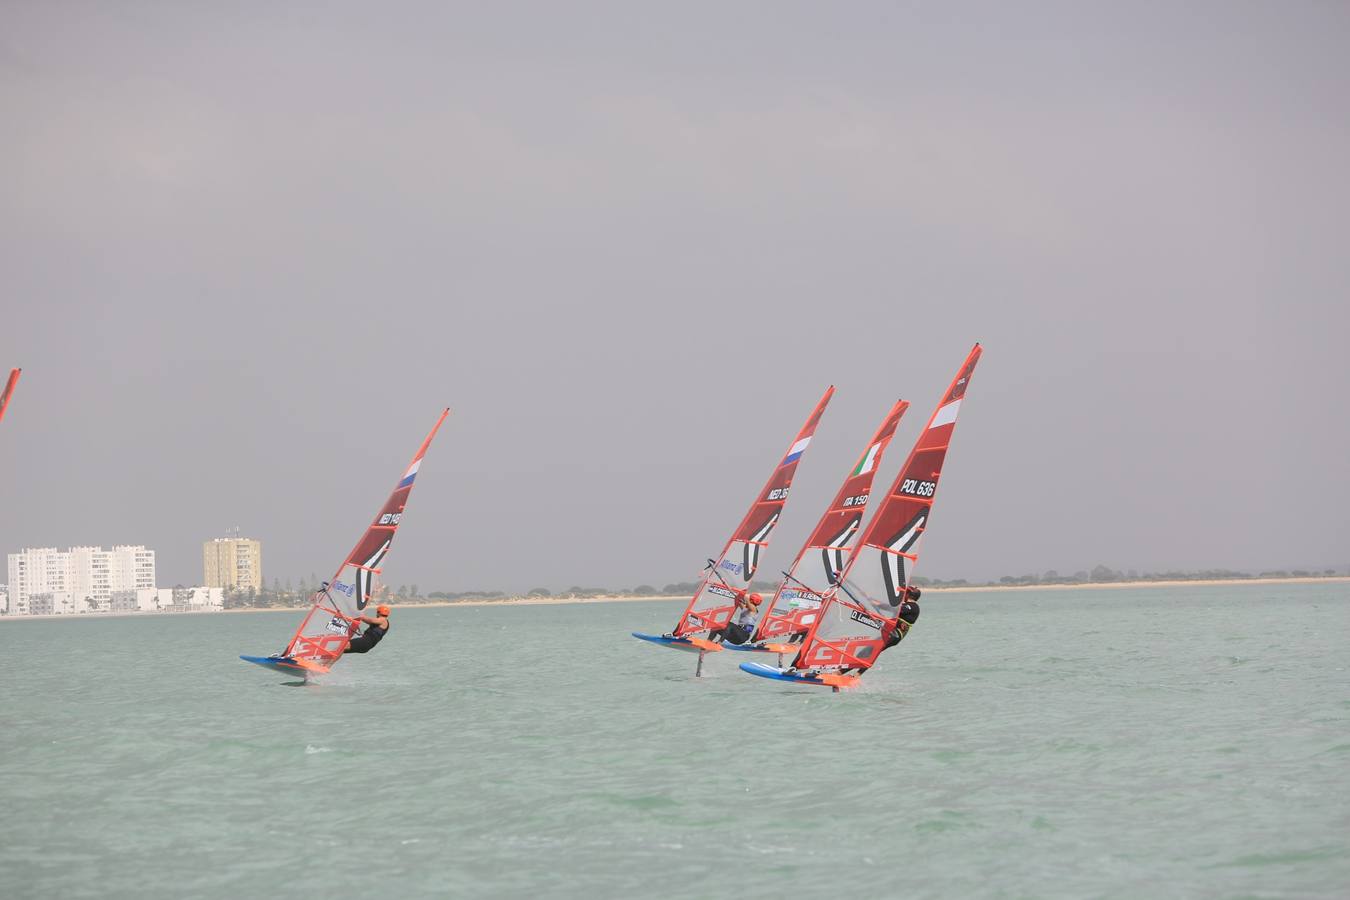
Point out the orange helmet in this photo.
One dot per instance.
(755, 599)
(382, 610)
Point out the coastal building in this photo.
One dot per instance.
(193, 599)
(123, 602)
(46, 603)
(232, 562)
(80, 579)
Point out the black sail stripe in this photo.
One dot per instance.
(365, 578)
(893, 565)
(833, 554)
(362, 588)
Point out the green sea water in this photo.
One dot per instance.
(1160, 742)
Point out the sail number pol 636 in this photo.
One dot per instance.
(916, 488)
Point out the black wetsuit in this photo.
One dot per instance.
(733, 633)
(909, 613)
(362, 643)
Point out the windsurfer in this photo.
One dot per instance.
(742, 624)
(908, 615)
(376, 626)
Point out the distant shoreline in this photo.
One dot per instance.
(1107, 585)
(560, 601)
(981, 588)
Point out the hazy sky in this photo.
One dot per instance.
(248, 251)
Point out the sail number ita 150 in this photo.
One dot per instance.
(916, 488)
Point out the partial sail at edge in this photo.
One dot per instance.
(9, 390)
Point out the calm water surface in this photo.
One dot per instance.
(1173, 742)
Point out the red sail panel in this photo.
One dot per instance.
(715, 600)
(795, 605)
(856, 618)
(9, 390)
(331, 621)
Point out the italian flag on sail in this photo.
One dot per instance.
(868, 461)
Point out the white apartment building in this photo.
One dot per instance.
(84, 575)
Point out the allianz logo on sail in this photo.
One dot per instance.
(730, 566)
(345, 588)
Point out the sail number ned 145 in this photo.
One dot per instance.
(916, 488)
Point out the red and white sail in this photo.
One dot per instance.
(331, 621)
(795, 605)
(862, 610)
(715, 600)
(9, 390)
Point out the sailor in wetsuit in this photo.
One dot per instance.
(742, 624)
(376, 627)
(908, 614)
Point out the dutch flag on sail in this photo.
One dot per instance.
(795, 453)
(409, 475)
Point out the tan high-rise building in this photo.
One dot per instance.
(233, 562)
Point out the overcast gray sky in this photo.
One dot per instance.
(248, 251)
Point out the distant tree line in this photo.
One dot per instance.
(1106, 575)
(286, 595)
